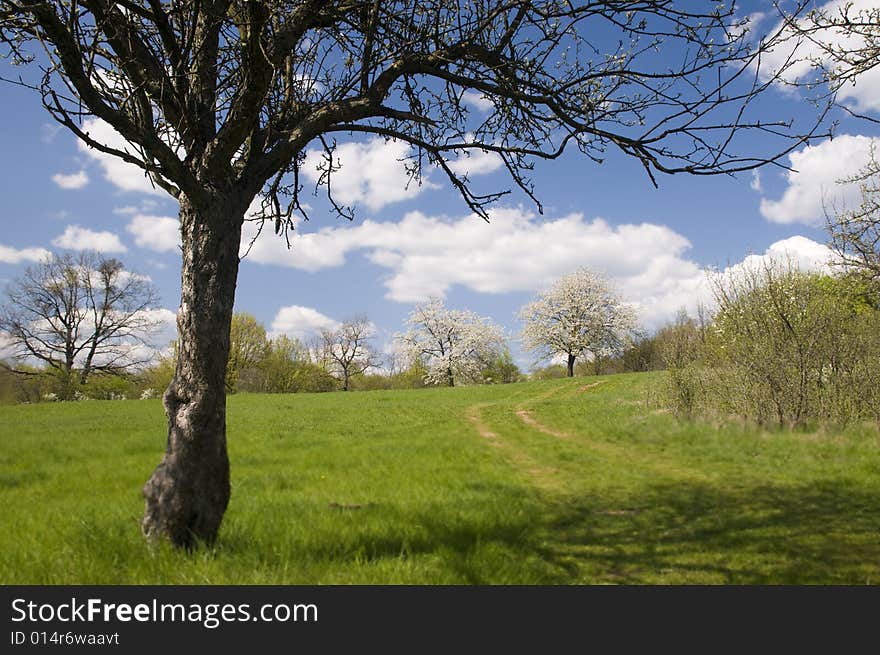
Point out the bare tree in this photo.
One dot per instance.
(219, 100)
(347, 350)
(80, 314)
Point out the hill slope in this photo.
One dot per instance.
(568, 481)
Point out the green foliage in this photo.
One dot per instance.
(641, 356)
(248, 347)
(23, 384)
(551, 372)
(278, 370)
(502, 370)
(109, 387)
(401, 487)
(159, 376)
(786, 347)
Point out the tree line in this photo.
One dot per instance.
(87, 319)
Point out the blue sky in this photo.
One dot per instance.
(408, 244)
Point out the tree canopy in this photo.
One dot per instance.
(454, 346)
(234, 91)
(347, 350)
(577, 315)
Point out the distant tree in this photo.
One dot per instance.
(248, 346)
(641, 355)
(80, 314)
(282, 369)
(502, 369)
(786, 346)
(578, 315)
(346, 349)
(220, 100)
(679, 343)
(454, 346)
(158, 376)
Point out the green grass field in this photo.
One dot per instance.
(557, 482)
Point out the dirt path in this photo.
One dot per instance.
(526, 417)
(547, 476)
(473, 415)
(541, 476)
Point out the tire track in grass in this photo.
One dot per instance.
(525, 442)
(473, 415)
(653, 462)
(543, 477)
(526, 417)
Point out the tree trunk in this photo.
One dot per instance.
(188, 492)
(571, 359)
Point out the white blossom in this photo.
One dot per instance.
(454, 346)
(579, 314)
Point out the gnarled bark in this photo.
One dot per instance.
(188, 492)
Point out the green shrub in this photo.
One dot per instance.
(785, 347)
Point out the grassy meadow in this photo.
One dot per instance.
(556, 482)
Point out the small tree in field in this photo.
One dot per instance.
(579, 315)
(80, 314)
(346, 349)
(219, 101)
(454, 346)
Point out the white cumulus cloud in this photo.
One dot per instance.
(478, 101)
(159, 233)
(81, 238)
(372, 173)
(813, 183)
(166, 330)
(476, 162)
(156, 345)
(518, 252)
(797, 252)
(863, 94)
(122, 175)
(10, 255)
(300, 322)
(72, 181)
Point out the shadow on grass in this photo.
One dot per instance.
(827, 532)
(821, 533)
